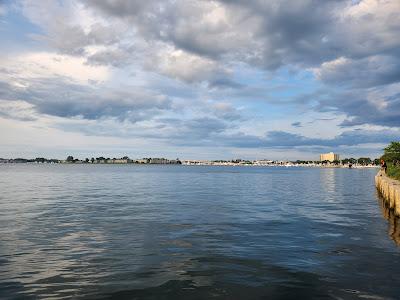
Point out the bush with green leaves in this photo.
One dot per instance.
(393, 171)
(392, 153)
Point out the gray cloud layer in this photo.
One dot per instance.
(58, 97)
(352, 48)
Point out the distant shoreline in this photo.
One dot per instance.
(363, 162)
(288, 165)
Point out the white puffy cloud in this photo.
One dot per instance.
(21, 68)
(185, 66)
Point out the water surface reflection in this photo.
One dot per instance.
(393, 220)
(176, 232)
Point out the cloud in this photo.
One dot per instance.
(46, 65)
(265, 33)
(350, 46)
(199, 27)
(17, 110)
(227, 111)
(64, 86)
(361, 73)
(197, 131)
(287, 140)
(58, 97)
(74, 40)
(3, 9)
(375, 107)
(268, 34)
(68, 28)
(194, 40)
(116, 57)
(214, 132)
(187, 67)
(206, 72)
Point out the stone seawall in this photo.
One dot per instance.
(390, 190)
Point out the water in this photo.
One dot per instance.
(176, 232)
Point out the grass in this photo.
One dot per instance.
(393, 171)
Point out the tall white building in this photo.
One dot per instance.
(328, 156)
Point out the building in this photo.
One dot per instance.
(120, 161)
(142, 161)
(329, 157)
(156, 160)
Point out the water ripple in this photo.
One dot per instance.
(175, 232)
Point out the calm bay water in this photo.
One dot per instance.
(181, 232)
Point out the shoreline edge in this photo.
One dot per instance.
(390, 190)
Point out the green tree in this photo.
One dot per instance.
(352, 160)
(364, 161)
(392, 153)
(70, 158)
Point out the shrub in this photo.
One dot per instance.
(393, 171)
(392, 153)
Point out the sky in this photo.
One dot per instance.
(250, 79)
